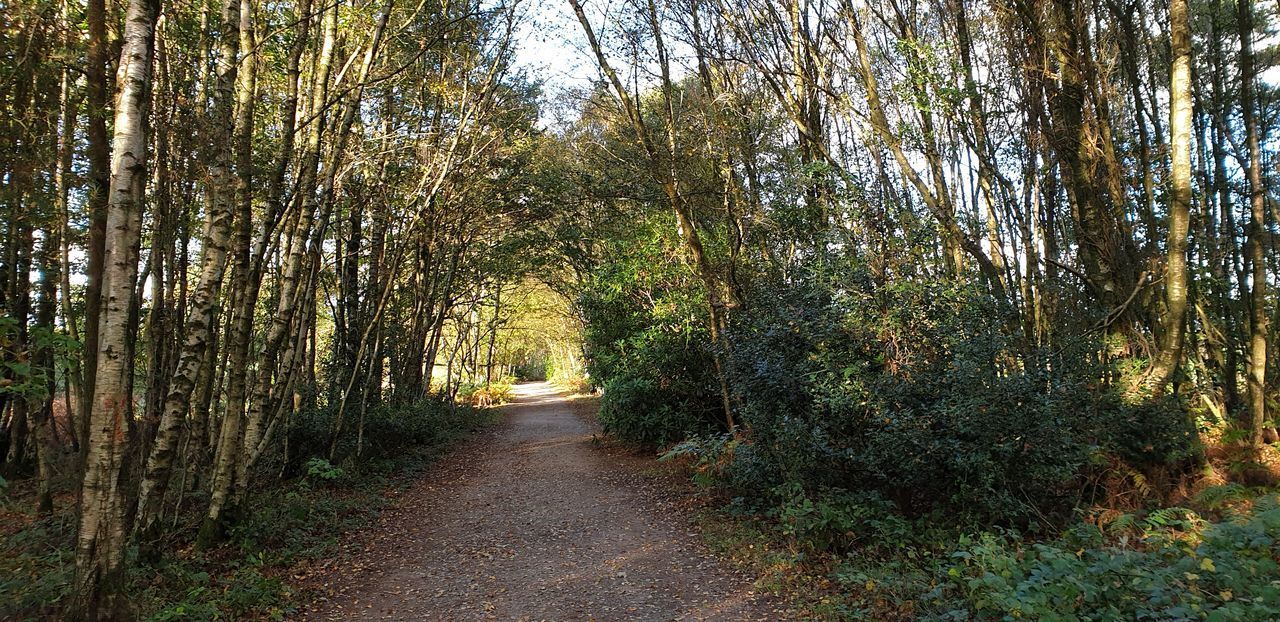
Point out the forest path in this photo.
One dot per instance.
(533, 522)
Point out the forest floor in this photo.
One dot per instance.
(537, 520)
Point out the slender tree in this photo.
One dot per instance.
(1255, 251)
(100, 545)
(1180, 128)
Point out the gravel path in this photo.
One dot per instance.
(533, 522)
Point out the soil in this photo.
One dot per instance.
(537, 521)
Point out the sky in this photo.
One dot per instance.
(553, 50)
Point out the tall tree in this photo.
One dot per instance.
(1180, 128)
(97, 85)
(220, 195)
(662, 166)
(1255, 251)
(101, 542)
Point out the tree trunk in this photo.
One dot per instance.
(238, 17)
(97, 85)
(100, 544)
(220, 197)
(1257, 368)
(1170, 355)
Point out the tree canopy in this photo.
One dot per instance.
(1000, 261)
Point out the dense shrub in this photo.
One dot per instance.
(647, 347)
(638, 411)
(389, 429)
(917, 392)
(833, 520)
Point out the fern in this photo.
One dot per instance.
(1122, 523)
(1266, 503)
(1164, 518)
(1139, 482)
(699, 448)
(1215, 497)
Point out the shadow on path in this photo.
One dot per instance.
(533, 523)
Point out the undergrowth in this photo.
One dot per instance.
(482, 394)
(287, 523)
(573, 382)
(846, 555)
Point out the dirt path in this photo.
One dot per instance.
(532, 522)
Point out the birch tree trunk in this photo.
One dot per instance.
(97, 84)
(1170, 355)
(247, 280)
(220, 199)
(100, 543)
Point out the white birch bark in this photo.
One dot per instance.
(100, 543)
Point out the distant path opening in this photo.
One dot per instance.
(532, 522)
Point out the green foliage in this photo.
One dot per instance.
(37, 564)
(913, 391)
(389, 430)
(238, 594)
(883, 420)
(1220, 497)
(637, 411)
(837, 520)
(282, 522)
(19, 375)
(320, 468)
(1223, 571)
(646, 339)
(1164, 564)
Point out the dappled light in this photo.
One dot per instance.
(538, 523)
(639, 310)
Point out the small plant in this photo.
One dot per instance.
(1179, 568)
(323, 469)
(837, 520)
(483, 395)
(1222, 497)
(708, 456)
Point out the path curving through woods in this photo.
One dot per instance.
(534, 522)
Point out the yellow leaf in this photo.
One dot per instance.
(1206, 564)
